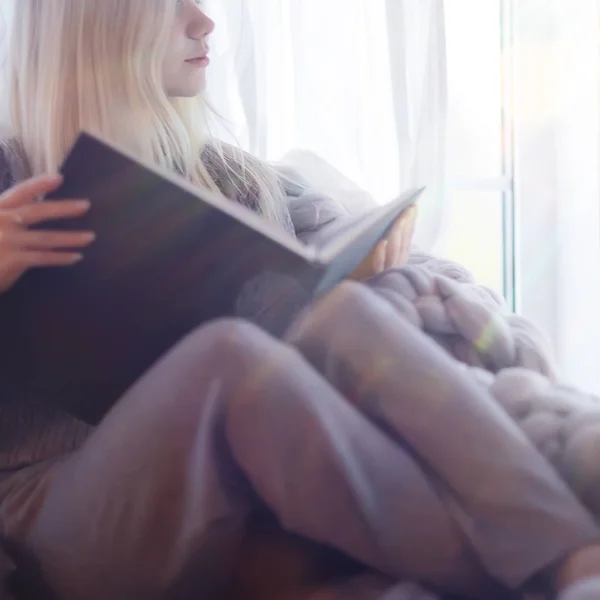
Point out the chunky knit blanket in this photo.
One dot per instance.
(509, 357)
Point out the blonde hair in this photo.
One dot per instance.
(96, 65)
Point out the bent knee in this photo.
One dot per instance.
(235, 348)
(227, 333)
(343, 301)
(221, 355)
(351, 295)
(227, 338)
(339, 310)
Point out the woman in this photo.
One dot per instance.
(162, 499)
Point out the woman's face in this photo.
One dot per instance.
(184, 69)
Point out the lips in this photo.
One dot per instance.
(200, 61)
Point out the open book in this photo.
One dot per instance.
(168, 257)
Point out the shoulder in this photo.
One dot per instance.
(11, 162)
(6, 176)
(310, 210)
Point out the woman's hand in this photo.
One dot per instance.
(393, 251)
(21, 249)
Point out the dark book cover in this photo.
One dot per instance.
(168, 258)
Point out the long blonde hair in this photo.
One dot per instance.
(97, 65)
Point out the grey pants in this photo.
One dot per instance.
(357, 432)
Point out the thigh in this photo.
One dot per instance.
(153, 486)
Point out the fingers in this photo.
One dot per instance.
(400, 239)
(378, 256)
(394, 245)
(373, 264)
(14, 265)
(26, 192)
(18, 206)
(46, 258)
(393, 251)
(47, 240)
(33, 214)
(409, 232)
(22, 249)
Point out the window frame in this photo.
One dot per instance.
(505, 183)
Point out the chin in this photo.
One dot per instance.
(185, 93)
(188, 94)
(189, 89)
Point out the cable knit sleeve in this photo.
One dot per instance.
(310, 211)
(6, 176)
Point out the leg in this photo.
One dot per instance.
(508, 501)
(160, 482)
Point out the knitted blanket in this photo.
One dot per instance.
(508, 356)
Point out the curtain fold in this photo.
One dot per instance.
(578, 192)
(359, 83)
(558, 183)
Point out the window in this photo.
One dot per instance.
(371, 102)
(480, 232)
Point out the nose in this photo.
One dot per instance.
(200, 25)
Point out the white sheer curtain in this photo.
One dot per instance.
(559, 178)
(359, 83)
